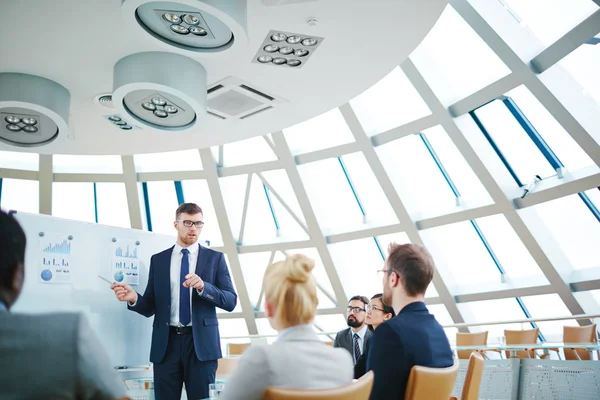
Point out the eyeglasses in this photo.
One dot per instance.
(384, 271)
(188, 224)
(354, 310)
(373, 308)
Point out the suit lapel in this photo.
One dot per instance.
(165, 275)
(202, 264)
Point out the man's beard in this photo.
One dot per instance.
(353, 323)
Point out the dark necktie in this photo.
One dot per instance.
(184, 293)
(356, 348)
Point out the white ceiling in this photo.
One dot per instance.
(77, 43)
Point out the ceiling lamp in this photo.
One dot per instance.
(286, 49)
(33, 110)
(191, 25)
(165, 91)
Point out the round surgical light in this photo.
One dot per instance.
(191, 19)
(279, 61)
(294, 39)
(32, 104)
(164, 101)
(301, 52)
(182, 30)
(265, 59)
(309, 42)
(271, 48)
(172, 18)
(12, 119)
(198, 31)
(286, 50)
(278, 37)
(191, 25)
(294, 63)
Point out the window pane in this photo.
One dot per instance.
(20, 195)
(493, 310)
(185, 160)
(472, 191)
(547, 306)
(73, 200)
(254, 266)
(18, 160)
(594, 196)
(163, 203)
(111, 199)
(561, 143)
(574, 228)
(234, 193)
(378, 210)
(582, 65)
(548, 20)
(357, 263)
(87, 164)
(248, 151)
(448, 245)
(519, 150)
(590, 302)
(391, 102)
(455, 61)
(320, 276)
(196, 191)
(330, 323)
(279, 181)
(510, 250)
(416, 177)
(321, 132)
(232, 327)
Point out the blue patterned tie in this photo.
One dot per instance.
(356, 348)
(184, 294)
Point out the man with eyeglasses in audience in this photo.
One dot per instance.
(185, 285)
(413, 336)
(356, 336)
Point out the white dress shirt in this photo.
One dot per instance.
(176, 286)
(361, 339)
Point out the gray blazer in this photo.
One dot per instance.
(53, 356)
(298, 359)
(344, 339)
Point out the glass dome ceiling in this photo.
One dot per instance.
(465, 147)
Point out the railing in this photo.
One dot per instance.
(460, 325)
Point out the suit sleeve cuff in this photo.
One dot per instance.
(200, 293)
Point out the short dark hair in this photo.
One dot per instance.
(413, 264)
(12, 247)
(360, 298)
(188, 208)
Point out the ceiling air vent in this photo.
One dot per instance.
(234, 98)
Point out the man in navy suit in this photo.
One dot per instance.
(185, 285)
(413, 337)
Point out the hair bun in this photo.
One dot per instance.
(300, 268)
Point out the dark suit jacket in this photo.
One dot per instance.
(360, 368)
(218, 292)
(413, 337)
(343, 339)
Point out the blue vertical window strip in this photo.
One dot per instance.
(179, 192)
(147, 205)
(358, 202)
(273, 214)
(95, 203)
(0, 189)
(439, 164)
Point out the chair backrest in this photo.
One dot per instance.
(236, 349)
(469, 339)
(227, 366)
(329, 343)
(578, 334)
(473, 378)
(359, 390)
(527, 336)
(431, 383)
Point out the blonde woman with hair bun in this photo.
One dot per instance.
(298, 358)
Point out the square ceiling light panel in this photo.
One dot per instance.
(286, 49)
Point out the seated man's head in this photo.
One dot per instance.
(408, 271)
(12, 257)
(357, 311)
(290, 292)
